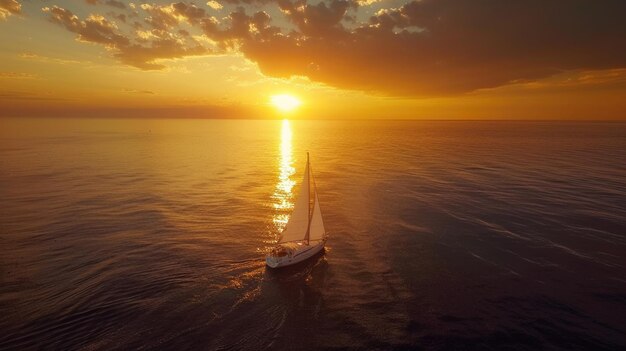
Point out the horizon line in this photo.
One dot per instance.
(623, 120)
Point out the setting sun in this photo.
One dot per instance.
(285, 102)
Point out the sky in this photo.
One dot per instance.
(353, 59)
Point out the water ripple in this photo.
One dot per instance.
(445, 235)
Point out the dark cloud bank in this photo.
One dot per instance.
(423, 48)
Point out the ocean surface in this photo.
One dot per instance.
(136, 234)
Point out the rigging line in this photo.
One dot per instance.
(309, 211)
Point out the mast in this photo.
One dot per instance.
(308, 227)
(316, 225)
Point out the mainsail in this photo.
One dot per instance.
(304, 224)
(298, 224)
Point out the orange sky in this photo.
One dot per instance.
(429, 59)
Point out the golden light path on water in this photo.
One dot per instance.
(283, 194)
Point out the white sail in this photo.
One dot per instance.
(317, 231)
(299, 220)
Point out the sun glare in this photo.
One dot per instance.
(285, 102)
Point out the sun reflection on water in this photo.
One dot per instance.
(283, 194)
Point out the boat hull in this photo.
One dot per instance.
(306, 252)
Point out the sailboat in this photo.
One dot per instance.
(304, 235)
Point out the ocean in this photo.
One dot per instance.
(150, 234)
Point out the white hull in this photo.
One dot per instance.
(302, 253)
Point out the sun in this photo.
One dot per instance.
(285, 102)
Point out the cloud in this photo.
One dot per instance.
(445, 47)
(577, 80)
(189, 12)
(114, 3)
(161, 17)
(242, 27)
(9, 7)
(163, 46)
(168, 16)
(16, 75)
(319, 20)
(422, 48)
(367, 2)
(214, 5)
(122, 17)
(35, 57)
(136, 91)
(142, 52)
(24, 95)
(95, 28)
